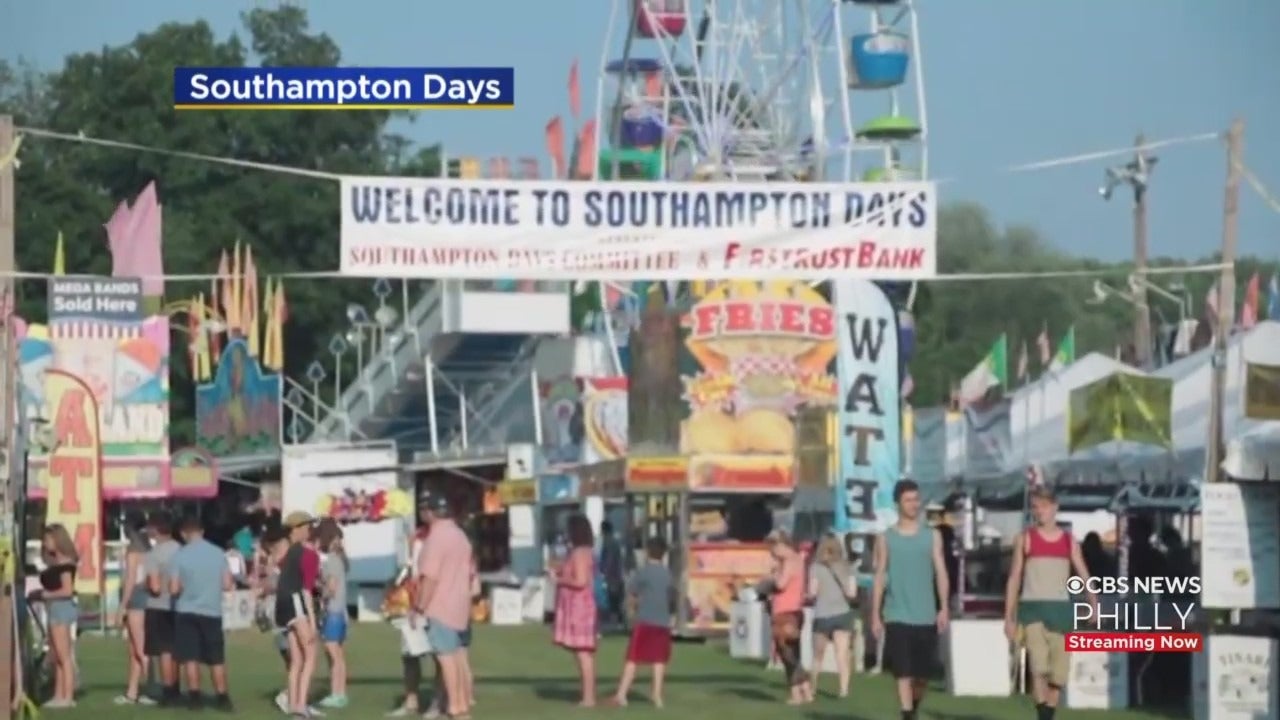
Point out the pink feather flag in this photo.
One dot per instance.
(134, 238)
(147, 260)
(117, 227)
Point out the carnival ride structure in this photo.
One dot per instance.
(758, 90)
(731, 90)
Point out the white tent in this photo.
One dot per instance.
(1039, 422)
(1038, 415)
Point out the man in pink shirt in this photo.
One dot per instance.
(444, 598)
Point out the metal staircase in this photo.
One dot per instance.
(482, 391)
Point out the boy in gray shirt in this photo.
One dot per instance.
(158, 616)
(651, 594)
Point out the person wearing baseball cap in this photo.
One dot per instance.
(444, 599)
(295, 607)
(298, 519)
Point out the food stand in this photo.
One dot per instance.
(601, 489)
(721, 373)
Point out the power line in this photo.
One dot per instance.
(1047, 164)
(953, 277)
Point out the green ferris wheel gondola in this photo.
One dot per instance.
(890, 127)
(632, 163)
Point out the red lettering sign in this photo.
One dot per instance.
(69, 424)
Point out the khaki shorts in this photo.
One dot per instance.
(1047, 654)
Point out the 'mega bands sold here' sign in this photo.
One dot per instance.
(103, 299)
(547, 230)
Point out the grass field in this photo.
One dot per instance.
(521, 676)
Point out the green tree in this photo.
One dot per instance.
(291, 222)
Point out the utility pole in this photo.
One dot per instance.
(1142, 313)
(1136, 174)
(1226, 301)
(10, 480)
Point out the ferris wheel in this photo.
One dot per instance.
(752, 90)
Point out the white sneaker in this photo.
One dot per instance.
(402, 711)
(282, 702)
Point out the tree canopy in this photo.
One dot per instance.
(123, 93)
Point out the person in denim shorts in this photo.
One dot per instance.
(333, 630)
(58, 593)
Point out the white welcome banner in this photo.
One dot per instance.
(536, 230)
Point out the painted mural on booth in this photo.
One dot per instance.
(99, 332)
(870, 413)
(238, 412)
(720, 373)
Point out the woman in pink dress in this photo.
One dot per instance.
(576, 613)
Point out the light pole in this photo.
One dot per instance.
(338, 347)
(1136, 174)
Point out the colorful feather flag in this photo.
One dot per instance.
(1249, 308)
(59, 257)
(575, 92)
(586, 150)
(555, 147)
(250, 303)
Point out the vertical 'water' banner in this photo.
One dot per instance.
(870, 437)
(73, 474)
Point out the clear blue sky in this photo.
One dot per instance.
(1008, 81)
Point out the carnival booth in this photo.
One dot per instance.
(721, 372)
(360, 486)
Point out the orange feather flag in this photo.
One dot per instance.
(555, 147)
(575, 92)
(587, 150)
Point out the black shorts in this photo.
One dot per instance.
(199, 639)
(289, 609)
(157, 627)
(910, 651)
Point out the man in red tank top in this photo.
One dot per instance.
(1045, 557)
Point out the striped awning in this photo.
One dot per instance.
(91, 330)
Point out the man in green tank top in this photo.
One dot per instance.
(1037, 599)
(906, 611)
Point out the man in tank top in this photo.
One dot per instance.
(910, 577)
(1036, 598)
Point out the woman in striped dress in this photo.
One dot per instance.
(576, 613)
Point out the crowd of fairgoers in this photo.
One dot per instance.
(172, 606)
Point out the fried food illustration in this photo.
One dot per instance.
(709, 430)
(764, 430)
(722, 598)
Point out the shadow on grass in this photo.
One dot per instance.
(536, 681)
(749, 692)
(558, 692)
(943, 715)
(843, 715)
